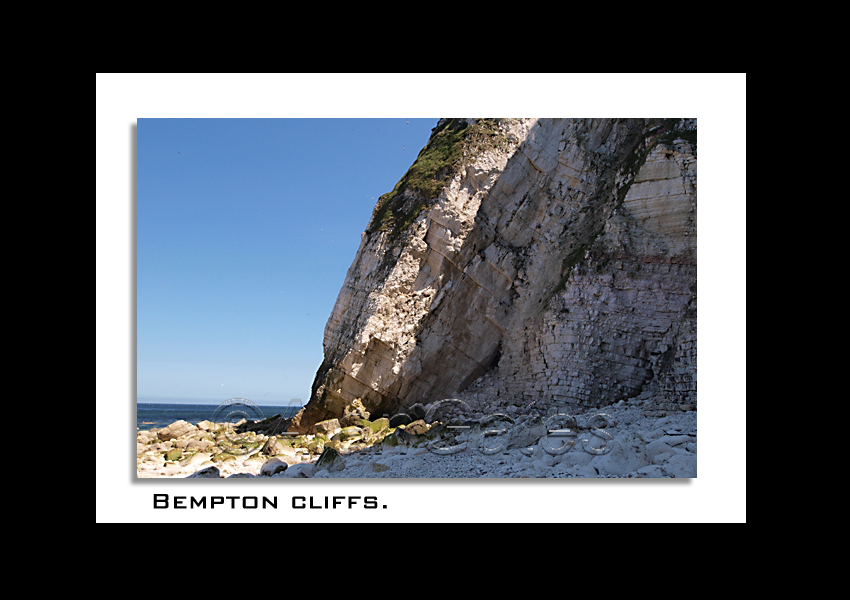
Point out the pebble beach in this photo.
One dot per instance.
(627, 442)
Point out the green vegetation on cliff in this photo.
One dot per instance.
(437, 161)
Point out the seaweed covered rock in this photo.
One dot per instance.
(354, 413)
(330, 461)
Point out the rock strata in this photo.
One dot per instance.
(546, 263)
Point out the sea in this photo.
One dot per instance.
(155, 415)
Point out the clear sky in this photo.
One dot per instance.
(245, 231)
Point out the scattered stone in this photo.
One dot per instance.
(208, 473)
(641, 448)
(195, 459)
(399, 419)
(399, 437)
(146, 437)
(176, 429)
(272, 467)
(348, 433)
(354, 413)
(273, 446)
(379, 425)
(329, 427)
(417, 427)
(304, 470)
(197, 445)
(331, 461)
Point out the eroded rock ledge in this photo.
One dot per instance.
(545, 262)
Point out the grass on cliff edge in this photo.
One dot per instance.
(429, 174)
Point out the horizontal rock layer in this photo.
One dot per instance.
(554, 266)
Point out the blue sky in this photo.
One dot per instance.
(245, 231)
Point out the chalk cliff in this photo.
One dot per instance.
(524, 262)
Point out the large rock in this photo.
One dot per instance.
(199, 445)
(146, 437)
(208, 473)
(354, 413)
(330, 461)
(274, 446)
(555, 256)
(175, 430)
(272, 467)
(328, 427)
(304, 470)
(379, 425)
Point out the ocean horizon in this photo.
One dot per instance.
(158, 413)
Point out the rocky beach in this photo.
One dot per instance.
(625, 440)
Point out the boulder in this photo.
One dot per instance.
(329, 427)
(208, 473)
(399, 419)
(418, 427)
(195, 459)
(175, 430)
(348, 433)
(269, 426)
(199, 445)
(146, 437)
(354, 413)
(378, 425)
(304, 470)
(273, 446)
(397, 437)
(330, 460)
(273, 466)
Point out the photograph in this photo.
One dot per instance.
(520, 303)
(323, 298)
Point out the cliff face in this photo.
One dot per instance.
(524, 261)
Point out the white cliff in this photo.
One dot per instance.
(524, 262)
